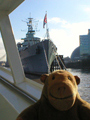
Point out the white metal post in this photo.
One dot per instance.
(11, 50)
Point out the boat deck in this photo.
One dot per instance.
(17, 96)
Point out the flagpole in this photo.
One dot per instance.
(45, 22)
(47, 28)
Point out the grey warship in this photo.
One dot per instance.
(36, 55)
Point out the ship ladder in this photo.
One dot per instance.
(62, 62)
(58, 60)
(56, 57)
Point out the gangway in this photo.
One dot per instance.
(16, 91)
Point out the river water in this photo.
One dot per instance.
(84, 86)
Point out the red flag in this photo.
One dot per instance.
(45, 20)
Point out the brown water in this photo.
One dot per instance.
(84, 86)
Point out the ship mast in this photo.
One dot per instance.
(29, 24)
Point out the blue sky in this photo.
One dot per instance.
(67, 19)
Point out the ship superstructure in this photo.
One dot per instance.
(36, 55)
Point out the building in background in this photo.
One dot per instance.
(80, 57)
(83, 51)
(85, 45)
(75, 56)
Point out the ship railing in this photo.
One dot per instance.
(7, 78)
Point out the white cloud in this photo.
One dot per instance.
(67, 37)
(87, 9)
(18, 40)
(63, 41)
(78, 28)
(56, 20)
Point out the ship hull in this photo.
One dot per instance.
(37, 59)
